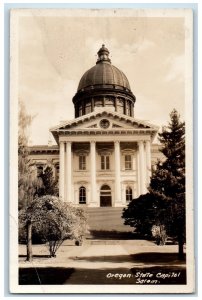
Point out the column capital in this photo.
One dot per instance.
(116, 142)
(141, 143)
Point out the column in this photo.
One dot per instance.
(115, 103)
(132, 109)
(68, 186)
(138, 172)
(62, 169)
(142, 168)
(125, 107)
(93, 172)
(148, 161)
(92, 104)
(117, 173)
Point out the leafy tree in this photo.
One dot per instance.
(167, 186)
(168, 180)
(55, 221)
(28, 183)
(145, 211)
(50, 185)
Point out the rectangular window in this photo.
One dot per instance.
(82, 162)
(105, 162)
(88, 108)
(128, 162)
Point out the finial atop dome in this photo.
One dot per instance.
(103, 55)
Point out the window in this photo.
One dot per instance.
(88, 108)
(128, 108)
(80, 110)
(82, 195)
(98, 102)
(57, 171)
(128, 162)
(82, 162)
(129, 194)
(109, 102)
(104, 162)
(120, 106)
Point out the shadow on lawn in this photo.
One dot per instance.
(38, 276)
(154, 258)
(36, 256)
(114, 235)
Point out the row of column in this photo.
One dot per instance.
(65, 177)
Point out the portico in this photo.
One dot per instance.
(90, 159)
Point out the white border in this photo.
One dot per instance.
(14, 287)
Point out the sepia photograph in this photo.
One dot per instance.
(101, 151)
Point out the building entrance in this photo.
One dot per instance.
(105, 196)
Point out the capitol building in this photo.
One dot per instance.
(104, 156)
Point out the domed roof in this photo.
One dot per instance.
(103, 73)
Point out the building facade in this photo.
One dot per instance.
(104, 156)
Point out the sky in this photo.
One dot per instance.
(55, 51)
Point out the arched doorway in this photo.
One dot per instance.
(105, 196)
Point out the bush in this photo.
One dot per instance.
(54, 221)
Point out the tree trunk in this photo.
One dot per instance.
(180, 247)
(29, 241)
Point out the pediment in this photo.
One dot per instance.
(103, 121)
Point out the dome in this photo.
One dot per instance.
(104, 85)
(103, 74)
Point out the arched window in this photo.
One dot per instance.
(105, 196)
(105, 187)
(82, 195)
(129, 194)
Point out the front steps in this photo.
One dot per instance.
(106, 223)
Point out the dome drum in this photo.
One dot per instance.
(118, 104)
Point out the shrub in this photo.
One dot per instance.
(54, 221)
